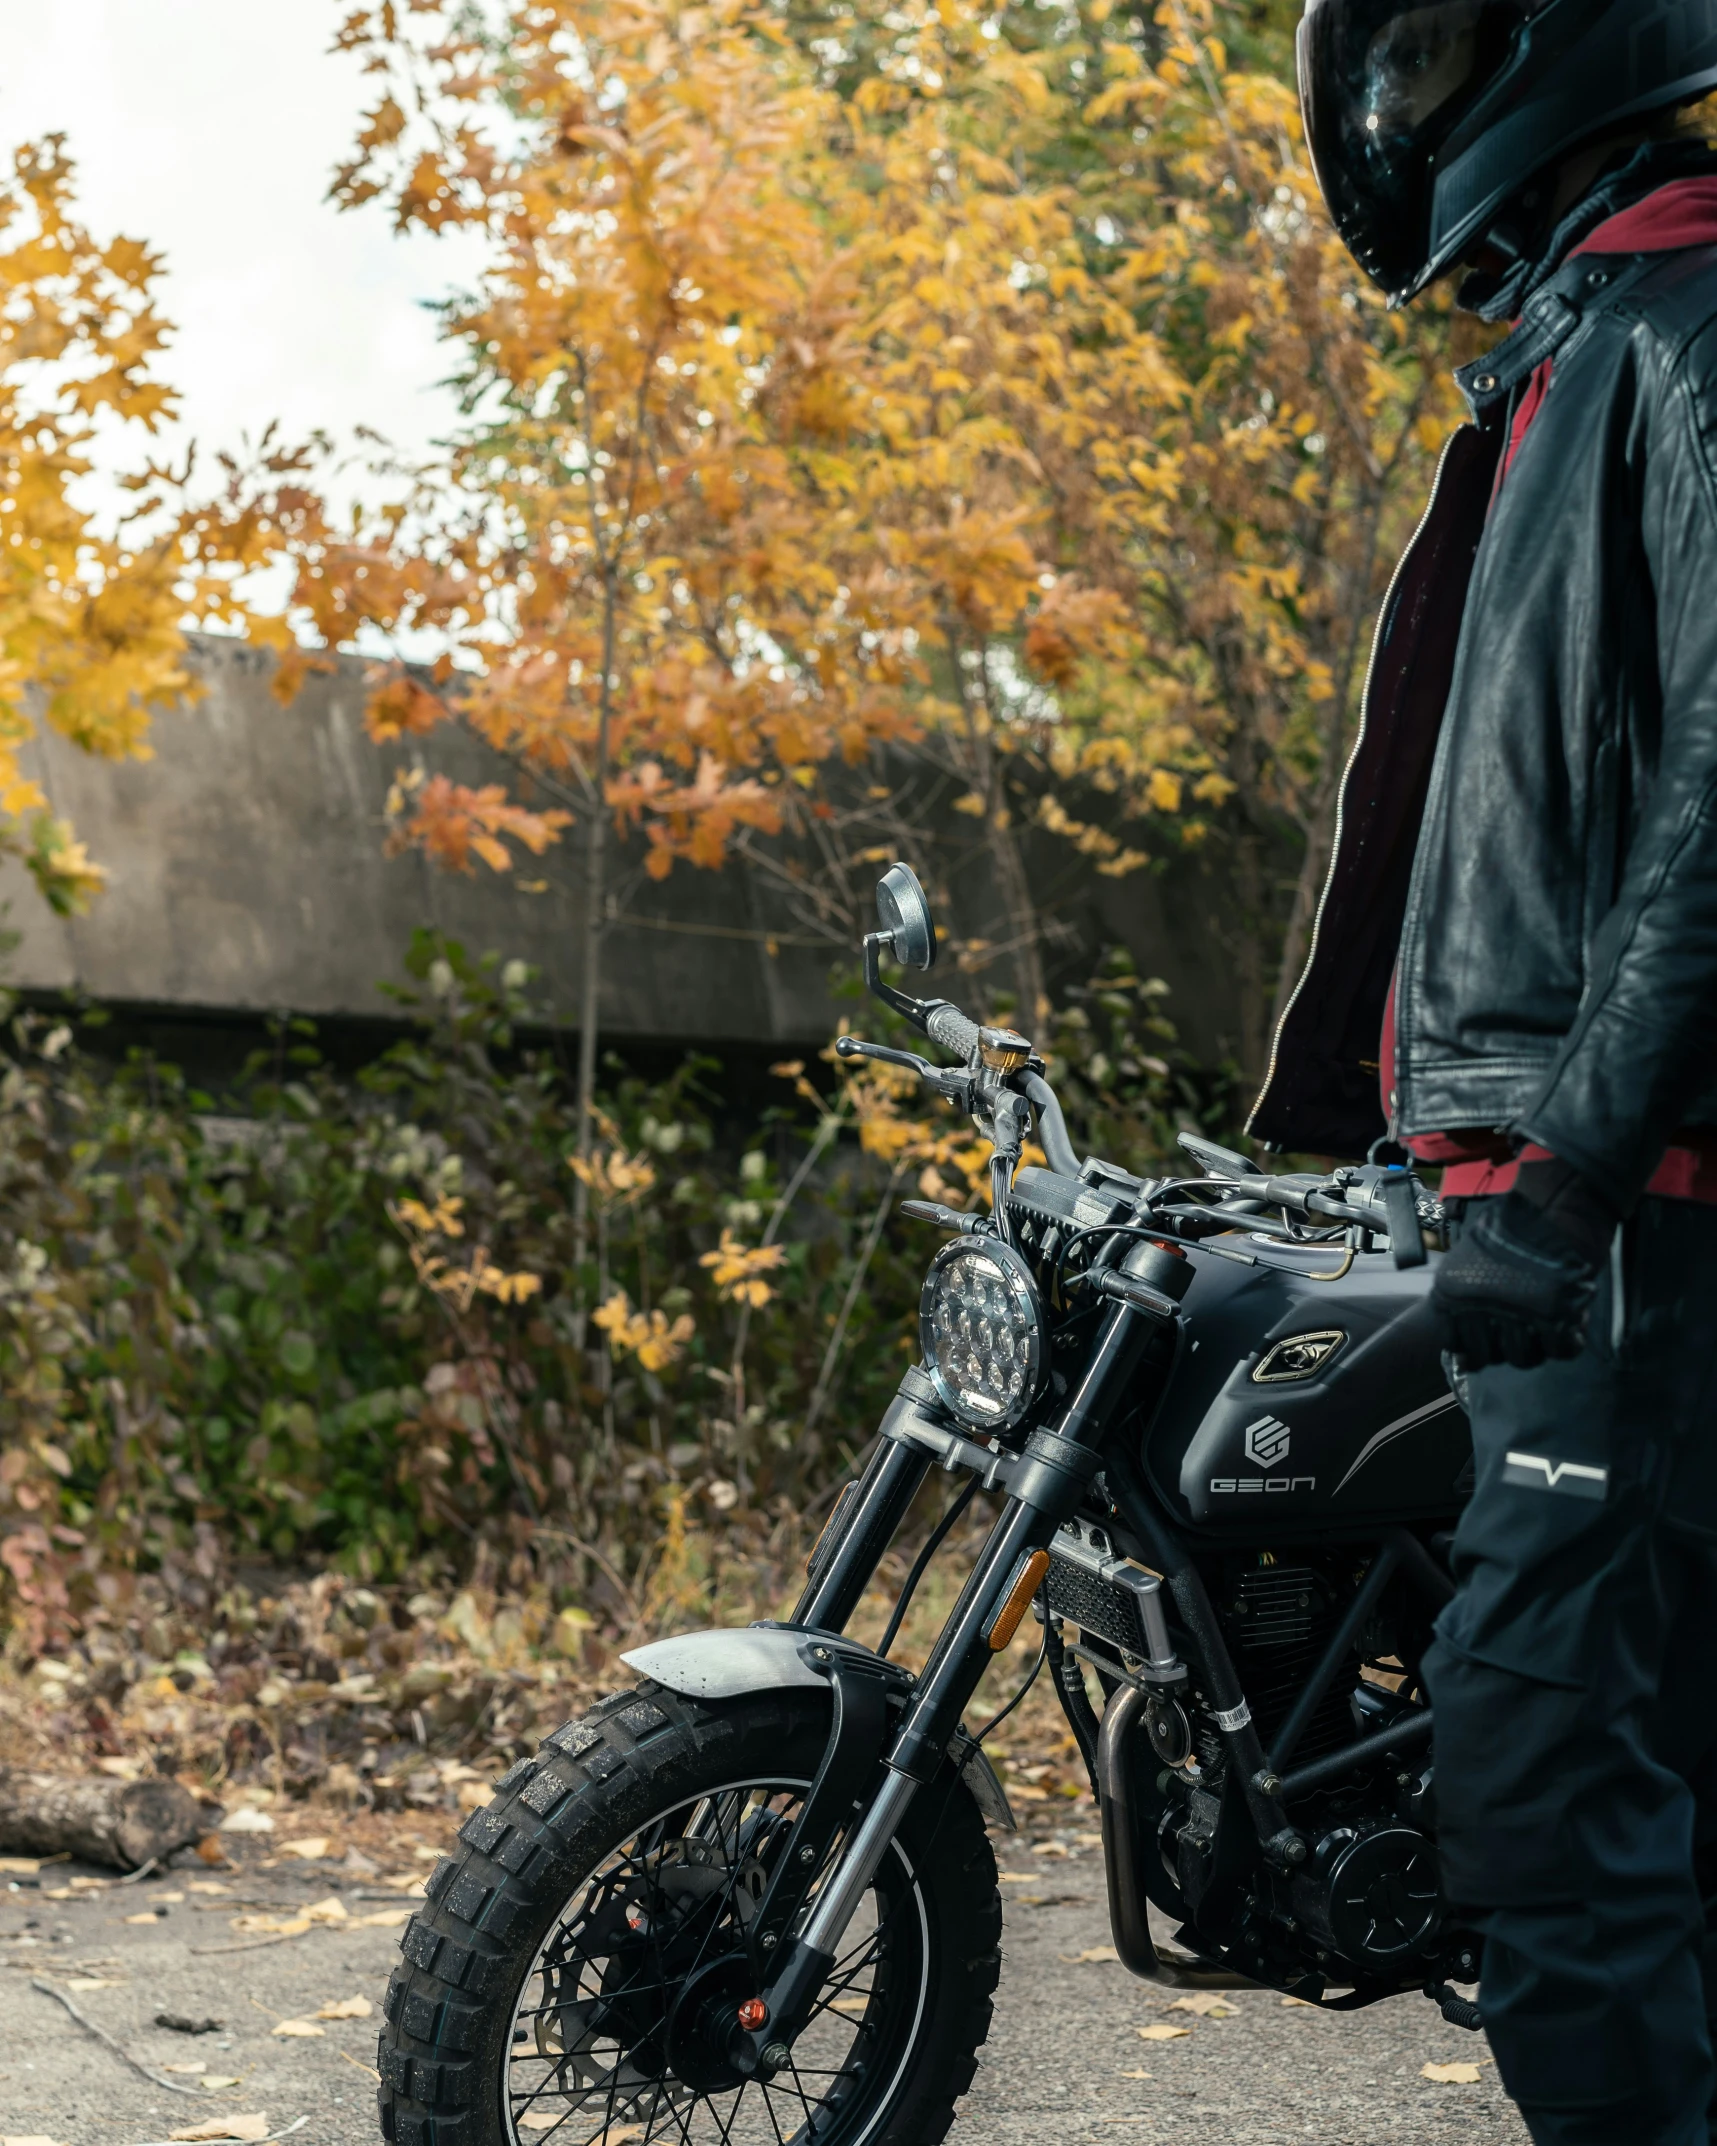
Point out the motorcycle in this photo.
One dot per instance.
(753, 1897)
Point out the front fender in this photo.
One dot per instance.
(732, 1663)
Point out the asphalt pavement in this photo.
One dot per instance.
(1066, 2063)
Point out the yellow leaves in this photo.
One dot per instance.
(972, 802)
(612, 1177)
(459, 1286)
(738, 1272)
(654, 1339)
(1163, 790)
(440, 1220)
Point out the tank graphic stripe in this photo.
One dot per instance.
(1379, 1439)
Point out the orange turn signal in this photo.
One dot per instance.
(1027, 1581)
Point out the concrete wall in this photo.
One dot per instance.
(247, 875)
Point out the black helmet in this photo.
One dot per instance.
(1425, 117)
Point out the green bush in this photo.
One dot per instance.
(353, 1320)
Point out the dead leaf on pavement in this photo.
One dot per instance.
(299, 2030)
(148, 1915)
(31, 2138)
(312, 1848)
(219, 2082)
(1161, 2032)
(279, 1925)
(1451, 2074)
(347, 2008)
(1207, 2005)
(1135, 2075)
(382, 1919)
(333, 1909)
(250, 2128)
(196, 2070)
(1093, 1955)
(21, 1866)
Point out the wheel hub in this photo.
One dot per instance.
(704, 2036)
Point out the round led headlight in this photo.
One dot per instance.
(981, 1328)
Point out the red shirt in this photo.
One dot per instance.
(1476, 1162)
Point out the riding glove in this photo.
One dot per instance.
(1518, 1286)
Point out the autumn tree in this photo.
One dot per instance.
(618, 554)
(91, 638)
(938, 381)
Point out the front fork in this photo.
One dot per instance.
(1044, 1486)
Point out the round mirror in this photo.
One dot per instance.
(903, 909)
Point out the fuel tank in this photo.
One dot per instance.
(1298, 1405)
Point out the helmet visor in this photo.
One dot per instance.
(1383, 83)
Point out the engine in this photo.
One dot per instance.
(1364, 1906)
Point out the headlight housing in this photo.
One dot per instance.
(982, 1331)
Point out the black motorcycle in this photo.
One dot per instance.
(753, 1898)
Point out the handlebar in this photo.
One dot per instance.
(955, 1031)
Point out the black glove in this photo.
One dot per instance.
(1518, 1286)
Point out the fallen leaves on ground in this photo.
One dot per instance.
(382, 1919)
(1135, 2075)
(148, 1915)
(313, 1848)
(96, 1982)
(219, 2082)
(300, 2030)
(32, 2138)
(1451, 2074)
(21, 1866)
(251, 2128)
(1092, 1956)
(1161, 2032)
(347, 2008)
(247, 1820)
(1207, 2005)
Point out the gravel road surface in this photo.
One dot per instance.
(1062, 2066)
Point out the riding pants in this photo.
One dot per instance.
(1574, 1677)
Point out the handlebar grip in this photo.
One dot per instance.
(952, 1029)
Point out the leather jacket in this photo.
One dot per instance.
(1528, 826)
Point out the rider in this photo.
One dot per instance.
(1527, 882)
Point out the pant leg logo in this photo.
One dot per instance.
(1537, 1471)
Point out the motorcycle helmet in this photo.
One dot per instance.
(1426, 118)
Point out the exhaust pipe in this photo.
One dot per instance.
(1129, 1838)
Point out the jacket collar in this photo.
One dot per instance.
(1650, 166)
(1553, 294)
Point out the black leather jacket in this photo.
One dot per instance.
(1529, 821)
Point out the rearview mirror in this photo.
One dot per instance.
(903, 910)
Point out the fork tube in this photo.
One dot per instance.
(883, 1497)
(1055, 1469)
(1045, 1489)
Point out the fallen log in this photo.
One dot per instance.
(99, 1820)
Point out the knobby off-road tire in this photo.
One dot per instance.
(530, 2006)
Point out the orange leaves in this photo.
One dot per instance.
(401, 707)
(451, 822)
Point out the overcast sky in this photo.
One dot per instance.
(209, 128)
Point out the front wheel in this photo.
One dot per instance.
(578, 1969)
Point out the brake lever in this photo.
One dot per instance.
(946, 1080)
(856, 1047)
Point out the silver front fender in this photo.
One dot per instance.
(732, 1664)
